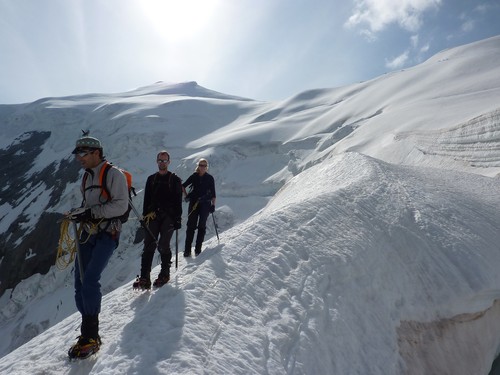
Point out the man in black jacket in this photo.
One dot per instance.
(162, 211)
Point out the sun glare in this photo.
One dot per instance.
(179, 20)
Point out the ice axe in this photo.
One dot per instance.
(78, 255)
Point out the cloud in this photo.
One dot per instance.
(378, 14)
(486, 7)
(467, 23)
(425, 48)
(414, 41)
(397, 62)
(468, 26)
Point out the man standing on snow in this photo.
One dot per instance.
(162, 212)
(100, 231)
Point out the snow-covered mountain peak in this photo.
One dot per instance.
(191, 89)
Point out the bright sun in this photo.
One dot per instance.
(179, 20)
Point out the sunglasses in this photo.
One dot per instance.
(84, 153)
(202, 165)
(162, 161)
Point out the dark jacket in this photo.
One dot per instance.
(202, 187)
(163, 193)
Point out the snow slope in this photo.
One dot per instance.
(318, 282)
(354, 237)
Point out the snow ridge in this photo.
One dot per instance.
(348, 266)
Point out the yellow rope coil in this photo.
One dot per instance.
(148, 217)
(66, 250)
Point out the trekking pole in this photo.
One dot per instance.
(78, 255)
(144, 225)
(176, 248)
(215, 226)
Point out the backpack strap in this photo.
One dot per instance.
(103, 174)
(170, 174)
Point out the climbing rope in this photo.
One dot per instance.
(195, 206)
(148, 217)
(66, 249)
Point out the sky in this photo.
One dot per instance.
(259, 49)
(358, 232)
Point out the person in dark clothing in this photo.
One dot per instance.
(162, 211)
(201, 203)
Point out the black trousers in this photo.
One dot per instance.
(161, 227)
(197, 219)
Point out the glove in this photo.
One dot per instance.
(212, 209)
(177, 223)
(80, 214)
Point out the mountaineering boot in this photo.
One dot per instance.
(84, 348)
(142, 283)
(187, 252)
(89, 342)
(161, 280)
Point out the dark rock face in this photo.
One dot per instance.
(25, 249)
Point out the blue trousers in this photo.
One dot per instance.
(94, 256)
